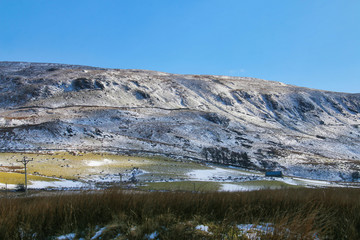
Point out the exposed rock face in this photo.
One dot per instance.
(240, 121)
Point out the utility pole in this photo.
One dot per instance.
(25, 161)
(120, 174)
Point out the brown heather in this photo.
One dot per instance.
(294, 213)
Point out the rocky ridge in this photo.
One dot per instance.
(239, 121)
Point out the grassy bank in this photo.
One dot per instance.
(294, 213)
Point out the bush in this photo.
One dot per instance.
(20, 188)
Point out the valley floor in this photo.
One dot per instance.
(68, 170)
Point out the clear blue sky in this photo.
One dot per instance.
(311, 43)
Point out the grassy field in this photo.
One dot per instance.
(291, 213)
(191, 186)
(205, 186)
(84, 166)
(156, 173)
(271, 184)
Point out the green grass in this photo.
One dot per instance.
(203, 186)
(272, 184)
(196, 186)
(294, 213)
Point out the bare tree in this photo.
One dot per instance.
(25, 161)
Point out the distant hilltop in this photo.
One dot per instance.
(240, 121)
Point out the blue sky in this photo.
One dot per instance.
(311, 43)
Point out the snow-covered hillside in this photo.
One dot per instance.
(239, 121)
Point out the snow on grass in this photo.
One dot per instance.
(216, 173)
(56, 184)
(93, 163)
(255, 231)
(264, 227)
(310, 182)
(151, 235)
(69, 236)
(228, 187)
(251, 231)
(202, 228)
(125, 176)
(98, 233)
(313, 182)
(62, 183)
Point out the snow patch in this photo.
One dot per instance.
(202, 228)
(93, 163)
(69, 236)
(216, 173)
(58, 184)
(152, 235)
(228, 187)
(251, 231)
(98, 233)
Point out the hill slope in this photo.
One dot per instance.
(240, 121)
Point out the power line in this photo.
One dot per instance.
(25, 161)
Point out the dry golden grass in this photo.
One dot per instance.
(18, 178)
(294, 213)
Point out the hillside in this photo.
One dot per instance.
(239, 121)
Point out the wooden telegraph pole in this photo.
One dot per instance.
(25, 161)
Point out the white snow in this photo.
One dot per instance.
(251, 230)
(216, 173)
(116, 177)
(202, 228)
(69, 236)
(93, 163)
(309, 182)
(152, 235)
(59, 183)
(228, 187)
(63, 183)
(98, 233)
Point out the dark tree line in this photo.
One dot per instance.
(225, 156)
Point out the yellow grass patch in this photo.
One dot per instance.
(18, 178)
